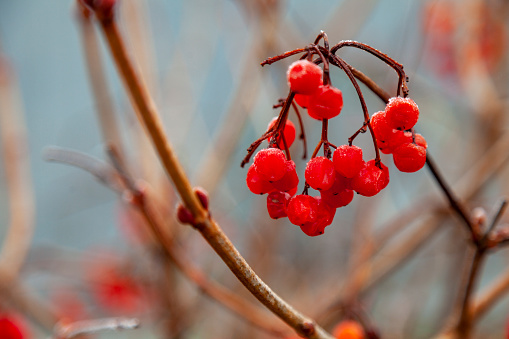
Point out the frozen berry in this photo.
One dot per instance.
(348, 160)
(348, 329)
(304, 77)
(380, 126)
(338, 195)
(325, 103)
(256, 183)
(289, 180)
(320, 173)
(370, 180)
(402, 113)
(288, 133)
(409, 157)
(277, 203)
(270, 163)
(324, 217)
(302, 209)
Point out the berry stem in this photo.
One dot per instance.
(323, 36)
(302, 135)
(382, 56)
(208, 228)
(276, 58)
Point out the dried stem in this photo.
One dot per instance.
(209, 229)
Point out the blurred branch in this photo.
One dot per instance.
(84, 327)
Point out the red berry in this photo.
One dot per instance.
(348, 160)
(348, 329)
(302, 209)
(325, 103)
(277, 203)
(289, 180)
(288, 133)
(302, 100)
(370, 180)
(270, 163)
(292, 191)
(338, 195)
(256, 183)
(324, 217)
(385, 173)
(402, 113)
(380, 126)
(320, 173)
(10, 328)
(304, 77)
(419, 140)
(394, 140)
(409, 157)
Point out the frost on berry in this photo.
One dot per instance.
(370, 180)
(289, 180)
(304, 77)
(339, 194)
(302, 209)
(320, 173)
(325, 103)
(348, 329)
(256, 183)
(288, 133)
(277, 203)
(348, 160)
(402, 113)
(270, 163)
(409, 157)
(324, 217)
(419, 140)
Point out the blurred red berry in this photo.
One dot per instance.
(288, 133)
(348, 329)
(11, 327)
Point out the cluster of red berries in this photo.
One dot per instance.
(274, 173)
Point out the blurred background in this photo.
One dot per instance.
(83, 251)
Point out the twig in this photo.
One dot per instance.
(209, 229)
(72, 330)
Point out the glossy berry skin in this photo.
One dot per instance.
(325, 103)
(288, 133)
(394, 140)
(302, 100)
(289, 180)
(324, 217)
(304, 77)
(385, 173)
(302, 209)
(10, 329)
(409, 157)
(380, 126)
(320, 173)
(402, 113)
(277, 203)
(348, 160)
(370, 180)
(270, 163)
(348, 329)
(256, 183)
(338, 195)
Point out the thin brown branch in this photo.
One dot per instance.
(487, 298)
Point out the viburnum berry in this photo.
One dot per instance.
(370, 180)
(320, 173)
(302, 100)
(270, 163)
(409, 157)
(256, 183)
(289, 180)
(380, 126)
(288, 132)
(277, 203)
(325, 103)
(419, 140)
(348, 329)
(338, 195)
(324, 217)
(385, 172)
(395, 139)
(348, 160)
(302, 209)
(304, 77)
(10, 328)
(402, 113)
